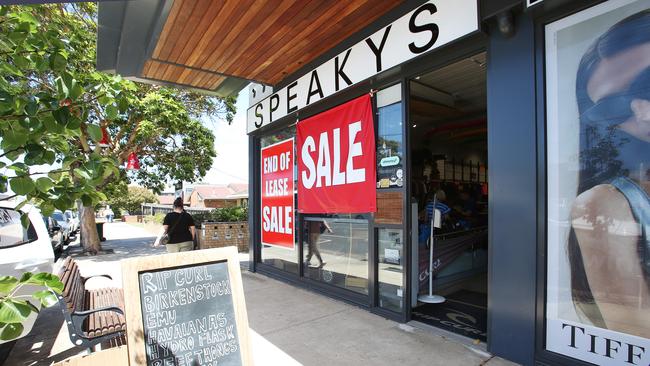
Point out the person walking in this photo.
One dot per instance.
(179, 226)
(109, 214)
(316, 228)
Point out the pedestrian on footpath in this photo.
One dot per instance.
(177, 232)
(109, 214)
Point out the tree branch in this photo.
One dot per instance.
(10, 151)
(8, 197)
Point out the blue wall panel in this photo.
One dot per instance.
(512, 184)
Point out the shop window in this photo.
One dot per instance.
(279, 257)
(598, 164)
(335, 250)
(390, 145)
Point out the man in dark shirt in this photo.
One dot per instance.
(179, 225)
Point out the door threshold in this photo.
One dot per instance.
(480, 348)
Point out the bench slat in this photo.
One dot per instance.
(77, 298)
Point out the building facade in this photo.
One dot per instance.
(492, 153)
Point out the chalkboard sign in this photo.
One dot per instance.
(186, 309)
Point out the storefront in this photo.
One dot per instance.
(524, 124)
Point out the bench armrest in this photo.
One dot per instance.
(78, 317)
(85, 279)
(85, 313)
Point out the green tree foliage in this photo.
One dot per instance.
(15, 309)
(226, 214)
(54, 106)
(131, 199)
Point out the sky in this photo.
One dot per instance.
(231, 144)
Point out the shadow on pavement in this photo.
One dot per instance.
(42, 346)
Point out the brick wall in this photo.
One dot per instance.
(132, 218)
(224, 234)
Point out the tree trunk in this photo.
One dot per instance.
(89, 237)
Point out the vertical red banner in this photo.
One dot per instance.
(278, 215)
(336, 160)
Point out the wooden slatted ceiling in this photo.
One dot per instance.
(253, 39)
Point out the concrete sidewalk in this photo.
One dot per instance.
(310, 328)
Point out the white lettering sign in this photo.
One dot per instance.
(428, 27)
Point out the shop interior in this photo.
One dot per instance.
(449, 164)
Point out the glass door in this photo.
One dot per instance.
(389, 221)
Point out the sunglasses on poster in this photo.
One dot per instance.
(617, 108)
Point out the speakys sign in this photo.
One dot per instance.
(428, 27)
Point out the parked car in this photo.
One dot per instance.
(64, 224)
(55, 233)
(73, 218)
(24, 249)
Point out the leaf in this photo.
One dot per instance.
(7, 284)
(14, 154)
(34, 157)
(111, 111)
(62, 88)
(15, 138)
(22, 186)
(11, 69)
(55, 285)
(39, 279)
(95, 132)
(73, 124)
(49, 157)
(46, 297)
(63, 203)
(19, 168)
(25, 277)
(82, 173)
(21, 62)
(51, 125)
(14, 311)
(58, 62)
(44, 184)
(11, 331)
(47, 209)
(54, 175)
(61, 115)
(76, 91)
(86, 200)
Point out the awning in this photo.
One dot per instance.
(220, 46)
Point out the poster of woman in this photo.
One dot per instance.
(598, 184)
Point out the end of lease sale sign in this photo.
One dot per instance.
(336, 165)
(277, 195)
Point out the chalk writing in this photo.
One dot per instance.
(188, 317)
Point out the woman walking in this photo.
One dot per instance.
(179, 227)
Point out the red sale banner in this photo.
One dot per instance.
(336, 160)
(277, 195)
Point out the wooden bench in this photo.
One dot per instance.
(92, 316)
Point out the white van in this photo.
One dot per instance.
(24, 249)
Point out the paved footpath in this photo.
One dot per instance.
(290, 326)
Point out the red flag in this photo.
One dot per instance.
(133, 163)
(336, 160)
(105, 142)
